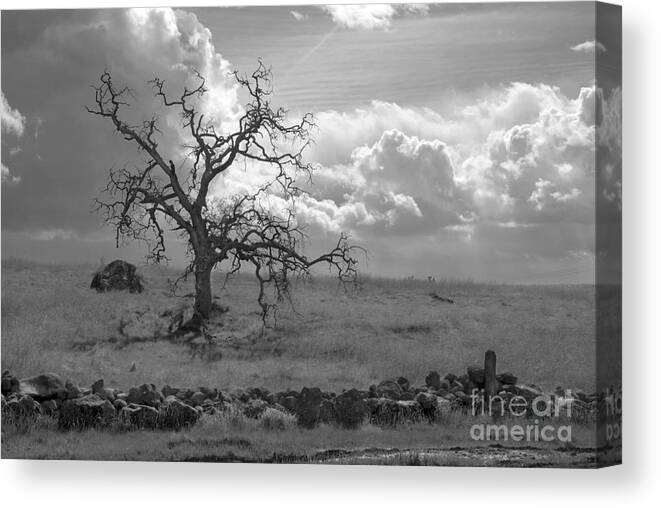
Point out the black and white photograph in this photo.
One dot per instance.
(379, 234)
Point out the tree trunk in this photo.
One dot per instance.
(203, 291)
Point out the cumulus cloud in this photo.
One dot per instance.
(7, 177)
(298, 16)
(371, 16)
(13, 122)
(519, 155)
(589, 47)
(138, 44)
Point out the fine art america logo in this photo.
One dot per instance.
(541, 407)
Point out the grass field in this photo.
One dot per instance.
(52, 321)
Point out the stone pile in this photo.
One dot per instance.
(388, 403)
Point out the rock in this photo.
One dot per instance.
(428, 404)
(409, 411)
(197, 399)
(450, 378)
(10, 384)
(43, 387)
(117, 276)
(426, 400)
(433, 380)
(73, 392)
(119, 404)
(327, 412)
(23, 408)
(443, 407)
(476, 376)
(457, 387)
(404, 383)
(98, 387)
(289, 403)
(383, 411)
(409, 395)
(209, 393)
(167, 390)
(175, 415)
(507, 378)
(308, 407)
(527, 392)
(49, 407)
(84, 412)
(389, 389)
(350, 409)
(146, 394)
(139, 416)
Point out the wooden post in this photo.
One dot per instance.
(490, 383)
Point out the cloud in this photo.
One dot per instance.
(371, 16)
(13, 122)
(298, 16)
(7, 177)
(135, 45)
(518, 155)
(589, 47)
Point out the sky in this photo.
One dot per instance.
(453, 141)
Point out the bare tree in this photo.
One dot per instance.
(144, 202)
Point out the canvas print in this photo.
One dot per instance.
(320, 234)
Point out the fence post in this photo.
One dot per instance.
(490, 383)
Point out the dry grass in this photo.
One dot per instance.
(230, 436)
(334, 340)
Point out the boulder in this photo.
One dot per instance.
(197, 399)
(73, 392)
(443, 407)
(117, 276)
(49, 407)
(10, 384)
(404, 383)
(119, 404)
(383, 411)
(409, 411)
(388, 389)
(428, 404)
(175, 415)
(43, 387)
(308, 405)
(409, 395)
(327, 412)
(507, 378)
(84, 412)
(350, 409)
(139, 416)
(167, 390)
(527, 392)
(289, 402)
(476, 376)
(23, 408)
(146, 394)
(433, 380)
(98, 387)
